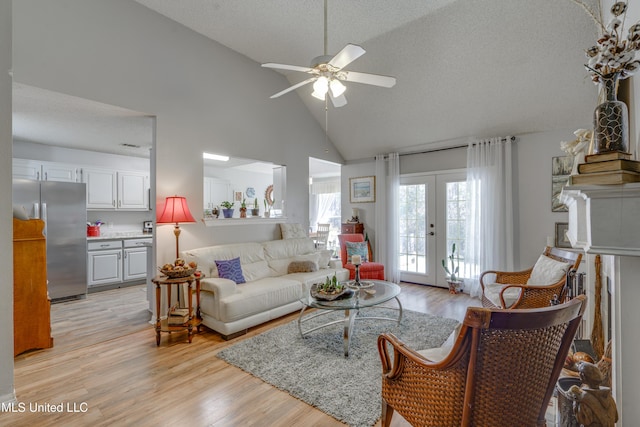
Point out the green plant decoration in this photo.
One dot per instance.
(454, 262)
(227, 205)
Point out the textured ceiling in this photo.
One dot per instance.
(465, 68)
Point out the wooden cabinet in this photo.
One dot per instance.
(31, 303)
(352, 228)
(109, 189)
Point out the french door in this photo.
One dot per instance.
(432, 217)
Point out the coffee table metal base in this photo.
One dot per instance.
(350, 316)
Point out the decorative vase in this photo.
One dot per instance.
(227, 213)
(455, 286)
(215, 212)
(243, 212)
(267, 214)
(610, 119)
(255, 212)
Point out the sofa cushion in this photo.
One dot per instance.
(280, 253)
(547, 271)
(302, 267)
(292, 231)
(230, 269)
(254, 265)
(259, 296)
(357, 248)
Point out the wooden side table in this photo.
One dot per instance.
(194, 321)
(352, 228)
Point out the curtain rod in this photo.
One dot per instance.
(513, 138)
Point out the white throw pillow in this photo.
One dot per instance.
(292, 231)
(325, 257)
(437, 354)
(547, 271)
(314, 258)
(492, 293)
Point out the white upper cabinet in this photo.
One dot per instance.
(216, 191)
(60, 172)
(45, 171)
(133, 190)
(102, 191)
(111, 190)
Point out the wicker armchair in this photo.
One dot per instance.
(501, 371)
(531, 296)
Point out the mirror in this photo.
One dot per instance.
(259, 184)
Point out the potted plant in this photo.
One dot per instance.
(256, 210)
(243, 209)
(455, 283)
(267, 209)
(227, 210)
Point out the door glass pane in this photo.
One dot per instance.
(412, 256)
(456, 219)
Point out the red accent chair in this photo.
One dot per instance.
(368, 270)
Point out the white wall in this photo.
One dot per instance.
(532, 158)
(6, 231)
(205, 97)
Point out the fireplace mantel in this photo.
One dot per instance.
(606, 220)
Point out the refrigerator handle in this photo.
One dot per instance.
(44, 218)
(36, 210)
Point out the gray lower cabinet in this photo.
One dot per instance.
(116, 261)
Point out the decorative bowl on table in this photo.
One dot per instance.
(319, 292)
(359, 285)
(177, 273)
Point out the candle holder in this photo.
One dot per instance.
(356, 281)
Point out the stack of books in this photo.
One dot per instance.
(178, 316)
(607, 168)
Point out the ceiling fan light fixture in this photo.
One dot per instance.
(320, 88)
(337, 88)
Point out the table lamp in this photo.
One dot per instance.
(175, 211)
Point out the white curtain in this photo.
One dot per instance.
(387, 202)
(489, 236)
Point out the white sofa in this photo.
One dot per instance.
(269, 292)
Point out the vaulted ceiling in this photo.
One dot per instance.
(464, 68)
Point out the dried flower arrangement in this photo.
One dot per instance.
(613, 53)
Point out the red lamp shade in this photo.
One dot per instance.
(175, 211)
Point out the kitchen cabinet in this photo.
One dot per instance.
(117, 261)
(45, 171)
(104, 262)
(135, 259)
(109, 189)
(216, 191)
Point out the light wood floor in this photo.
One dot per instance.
(106, 367)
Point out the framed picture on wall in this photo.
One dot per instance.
(362, 189)
(562, 241)
(560, 175)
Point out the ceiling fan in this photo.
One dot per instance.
(328, 72)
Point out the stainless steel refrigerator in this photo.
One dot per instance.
(63, 207)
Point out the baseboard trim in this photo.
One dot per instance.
(8, 399)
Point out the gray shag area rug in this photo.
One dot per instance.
(315, 370)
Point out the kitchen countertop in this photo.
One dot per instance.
(121, 235)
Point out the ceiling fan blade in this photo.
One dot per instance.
(287, 67)
(369, 79)
(346, 56)
(294, 87)
(338, 101)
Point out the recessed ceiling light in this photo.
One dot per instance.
(210, 156)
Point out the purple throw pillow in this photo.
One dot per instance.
(230, 269)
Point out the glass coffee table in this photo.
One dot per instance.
(374, 292)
